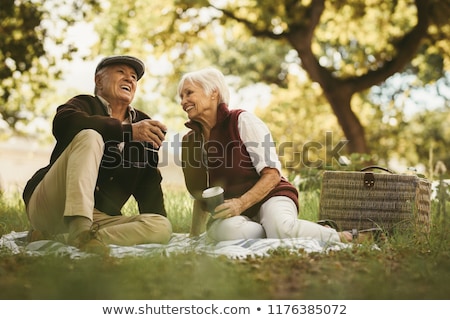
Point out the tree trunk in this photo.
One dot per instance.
(339, 92)
(339, 99)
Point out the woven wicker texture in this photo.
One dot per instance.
(393, 201)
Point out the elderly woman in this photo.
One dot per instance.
(234, 149)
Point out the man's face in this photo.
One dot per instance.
(117, 83)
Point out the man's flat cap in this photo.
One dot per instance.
(133, 62)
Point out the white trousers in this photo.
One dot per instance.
(67, 190)
(277, 219)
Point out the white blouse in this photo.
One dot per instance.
(259, 142)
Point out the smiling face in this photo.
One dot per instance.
(117, 83)
(198, 105)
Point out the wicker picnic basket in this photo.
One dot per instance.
(367, 199)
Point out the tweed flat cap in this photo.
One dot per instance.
(133, 62)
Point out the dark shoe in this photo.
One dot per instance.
(372, 234)
(36, 235)
(329, 223)
(88, 241)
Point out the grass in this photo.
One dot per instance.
(409, 266)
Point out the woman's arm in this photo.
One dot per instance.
(254, 133)
(270, 177)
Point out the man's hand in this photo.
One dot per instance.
(151, 131)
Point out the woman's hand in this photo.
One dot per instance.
(230, 208)
(269, 179)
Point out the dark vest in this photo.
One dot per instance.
(226, 159)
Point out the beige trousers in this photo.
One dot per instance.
(67, 190)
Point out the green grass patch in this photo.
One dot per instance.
(409, 266)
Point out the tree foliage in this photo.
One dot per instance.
(346, 49)
(32, 43)
(350, 46)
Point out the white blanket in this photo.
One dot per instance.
(16, 243)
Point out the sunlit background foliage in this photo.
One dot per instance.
(370, 72)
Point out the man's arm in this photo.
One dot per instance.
(87, 112)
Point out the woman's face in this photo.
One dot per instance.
(196, 103)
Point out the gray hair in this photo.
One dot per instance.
(100, 73)
(209, 79)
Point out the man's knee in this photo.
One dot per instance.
(161, 228)
(90, 137)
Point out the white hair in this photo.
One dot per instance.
(209, 79)
(101, 74)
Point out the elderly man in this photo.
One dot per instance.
(106, 151)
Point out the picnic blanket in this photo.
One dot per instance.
(16, 243)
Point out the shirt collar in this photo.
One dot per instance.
(131, 110)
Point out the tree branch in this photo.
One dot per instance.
(300, 37)
(406, 49)
(250, 25)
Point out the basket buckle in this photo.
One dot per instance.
(369, 180)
